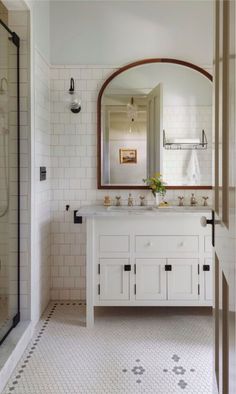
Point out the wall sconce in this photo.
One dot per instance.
(74, 101)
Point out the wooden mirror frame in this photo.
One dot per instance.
(99, 128)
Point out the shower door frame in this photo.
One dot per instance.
(16, 41)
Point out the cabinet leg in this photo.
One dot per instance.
(89, 316)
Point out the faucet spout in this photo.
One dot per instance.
(130, 200)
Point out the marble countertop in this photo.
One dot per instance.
(100, 210)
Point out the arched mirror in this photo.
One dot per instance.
(155, 116)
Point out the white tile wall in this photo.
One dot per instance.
(40, 141)
(74, 169)
(42, 239)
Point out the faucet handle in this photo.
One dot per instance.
(142, 200)
(118, 201)
(181, 200)
(205, 198)
(130, 200)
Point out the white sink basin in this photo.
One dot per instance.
(125, 208)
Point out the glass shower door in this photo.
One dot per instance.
(9, 180)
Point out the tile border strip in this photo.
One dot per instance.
(37, 339)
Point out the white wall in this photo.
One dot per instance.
(91, 34)
(74, 176)
(32, 26)
(88, 33)
(42, 218)
(41, 17)
(118, 32)
(40, 156)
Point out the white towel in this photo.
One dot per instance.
(193, 169)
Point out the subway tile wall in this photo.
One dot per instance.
(74, 171)
(42, 203)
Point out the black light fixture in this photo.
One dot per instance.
(74, 101)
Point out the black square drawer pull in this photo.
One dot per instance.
(168, 267)
(127, 267)
(206, 267)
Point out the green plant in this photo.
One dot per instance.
(156, 184)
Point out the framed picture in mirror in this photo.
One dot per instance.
(128, 156)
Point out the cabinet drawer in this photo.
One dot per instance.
(166, 243)
(114, 243)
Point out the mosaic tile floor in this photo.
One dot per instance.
(130, 350)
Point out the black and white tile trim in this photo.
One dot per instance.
(36, 342)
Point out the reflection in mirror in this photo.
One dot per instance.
(156, 117)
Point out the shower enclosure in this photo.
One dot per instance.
(9, 181)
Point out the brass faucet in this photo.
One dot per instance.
(181, 201)
(142, 200)
(205, 204)
(118, 201)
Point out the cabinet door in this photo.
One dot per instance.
(208, 280)
(183, 279)
(150, 279)
(114, 280)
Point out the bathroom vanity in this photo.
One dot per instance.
(144, 256)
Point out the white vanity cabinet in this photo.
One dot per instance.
(161, 259)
